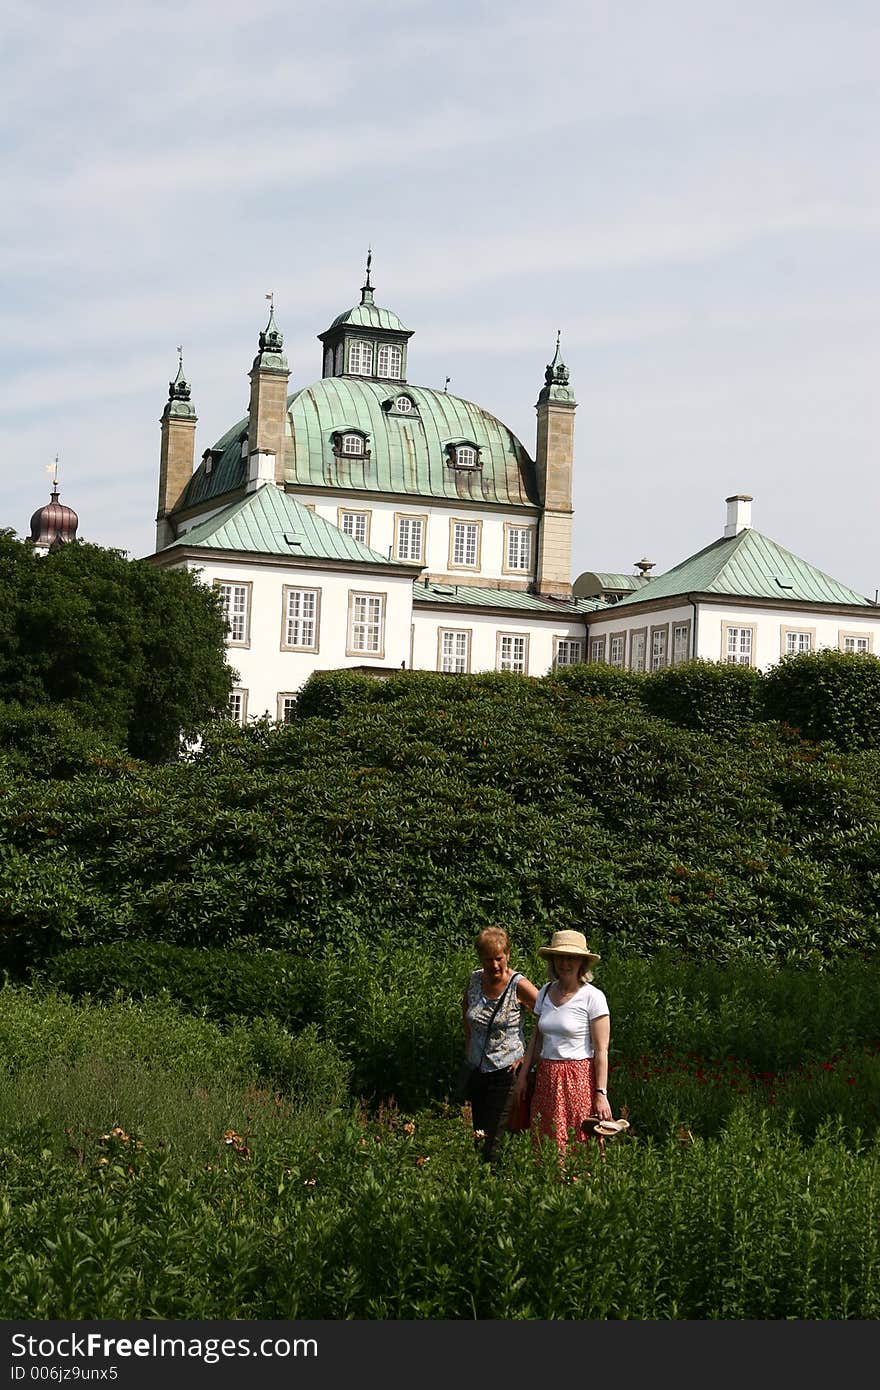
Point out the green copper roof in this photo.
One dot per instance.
(406, 453)
(748, 565)
(369, 316)
(271, 522)
(515, 600)
(614, 581)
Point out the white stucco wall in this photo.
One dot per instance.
(484, 632)
(381, 531)
(769, 628)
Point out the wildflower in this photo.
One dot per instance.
(479, 1134)
(421, 1161)
(409, 1128)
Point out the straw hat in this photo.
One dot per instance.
(568, 943)
(607, 1128)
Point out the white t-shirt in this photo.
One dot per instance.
(565, 1029)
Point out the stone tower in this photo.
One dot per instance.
(268, 409)
(554, 457)
(178, 424)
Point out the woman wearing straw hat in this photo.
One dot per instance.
(570, 1041)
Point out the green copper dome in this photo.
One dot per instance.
(406, 454)
(369, 316)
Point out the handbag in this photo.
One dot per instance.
(468, 1070)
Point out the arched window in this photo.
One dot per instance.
(465, 456)
(360, 359)
(353, 445)
(390, 361)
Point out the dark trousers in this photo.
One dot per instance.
(490, 1094)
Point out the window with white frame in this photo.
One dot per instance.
(853, 642)
(597, 648)
(659, 639)
(616, 649)
(390, 361)
(403, 405)
(366, 624)
(354, 524)
(235, 604)
(513, 651)
(352, 445)
(637, 651)
(798, 642)
(465, 456)
(286, 709)
(681, 642)
(569, 651)
(410, 537)
(238, 706)
(738, 644)
(455, 650)
(519, 548)
(360, 359)
(465, 544)
(301, 619)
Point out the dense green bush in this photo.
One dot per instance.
(712, 696)
(220, 984)
(827, 695)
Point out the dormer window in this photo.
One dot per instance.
(400, 405)
(390, 361)
(465, 454)
(350, 444)
(360, 359)
(403, 405)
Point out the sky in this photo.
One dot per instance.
(688, 191)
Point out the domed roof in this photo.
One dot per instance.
(54, 522)
(407, 453)
(368, 315)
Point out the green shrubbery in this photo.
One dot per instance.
(827, 695)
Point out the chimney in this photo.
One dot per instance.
(739, 514)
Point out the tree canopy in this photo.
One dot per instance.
(136, 653)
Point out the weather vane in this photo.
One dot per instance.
(53, 469)
(180, 354)
(271, 298)
(369, 263)
(446, 383)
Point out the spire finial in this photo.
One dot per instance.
(180, 357)
(179, 388)
(52, 468)
(271, 298)
(367, 287)
(557, 372)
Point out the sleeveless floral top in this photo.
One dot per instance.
(506, 1040)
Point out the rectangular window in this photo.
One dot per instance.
(455, 650)
(738, 643)
(513, 652)
(798, 642)
(681, 642)
(638, 642)
(355, 524)
(238, 706)
(286, 709)
(465, 544)
(360, 359)
(597, 648)
(518, 556)
(410, 538)
(569, 651)
(617, 649)
(366, 625)
(300, 620)
(235, 603)
(390, 360)
(855, 642)
(659, 641)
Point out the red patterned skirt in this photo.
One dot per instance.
(564, 1093)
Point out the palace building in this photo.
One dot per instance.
(365, 522)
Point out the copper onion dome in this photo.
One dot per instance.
(54, 522)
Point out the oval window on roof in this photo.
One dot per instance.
(403, 405)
